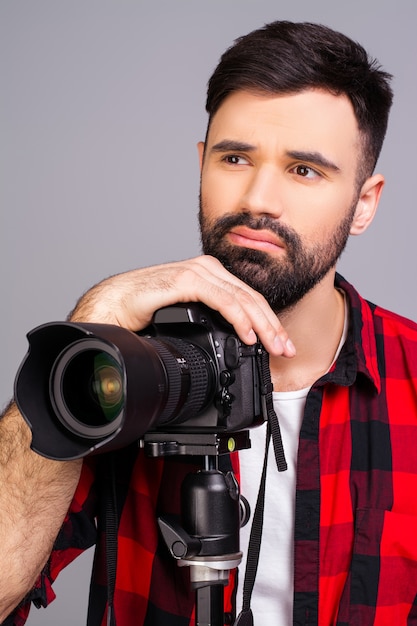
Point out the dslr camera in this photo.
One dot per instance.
(184, 385)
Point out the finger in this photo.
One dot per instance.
(243, 307)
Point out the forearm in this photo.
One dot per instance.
(35, 494)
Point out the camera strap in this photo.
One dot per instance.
(112, 524)
(269, 411)
(245, 617)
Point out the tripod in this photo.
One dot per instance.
(207, 538)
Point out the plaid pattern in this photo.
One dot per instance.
(356, 515)
(356, 512)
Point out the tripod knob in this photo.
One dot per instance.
(180, 544)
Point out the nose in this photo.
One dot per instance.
(262, 195)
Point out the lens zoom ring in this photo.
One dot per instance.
(175, 382)
(201, 386)
(197, 379)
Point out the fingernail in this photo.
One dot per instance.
(290, 347)
(278, 344)
(252, 338)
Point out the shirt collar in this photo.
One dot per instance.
(359, 354)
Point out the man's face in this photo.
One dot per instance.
(278, 189)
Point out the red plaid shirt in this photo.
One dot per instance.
(356, 504)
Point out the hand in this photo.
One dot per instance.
(130, 300)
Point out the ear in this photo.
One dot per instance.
(200, 148)
(367, 204)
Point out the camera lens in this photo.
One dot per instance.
(106, 385)
(87, 389)
(93, 386)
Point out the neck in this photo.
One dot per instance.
(315, 326)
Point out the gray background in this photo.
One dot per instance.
(101, 105)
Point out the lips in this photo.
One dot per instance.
(263, 240)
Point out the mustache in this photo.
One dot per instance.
(224, 224)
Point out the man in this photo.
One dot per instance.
(297, 117)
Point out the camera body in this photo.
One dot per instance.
(186, 379)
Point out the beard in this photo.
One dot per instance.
(283, 282)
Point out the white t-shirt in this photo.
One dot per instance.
(272, 599)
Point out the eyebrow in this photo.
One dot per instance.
(230, 145)
(315, 158)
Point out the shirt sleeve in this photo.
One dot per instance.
(77, 534)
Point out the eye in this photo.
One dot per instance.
(305, 172)
(235, 159)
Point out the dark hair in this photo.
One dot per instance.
(286, 57)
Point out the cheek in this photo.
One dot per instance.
(315, 227)
(319, 212)
(219, 195)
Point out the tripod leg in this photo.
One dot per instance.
(209, 605)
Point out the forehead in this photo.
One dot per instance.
(310, 120)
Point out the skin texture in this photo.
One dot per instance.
(292, 159)
(28, 523)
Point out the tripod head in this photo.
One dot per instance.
(206, 539)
